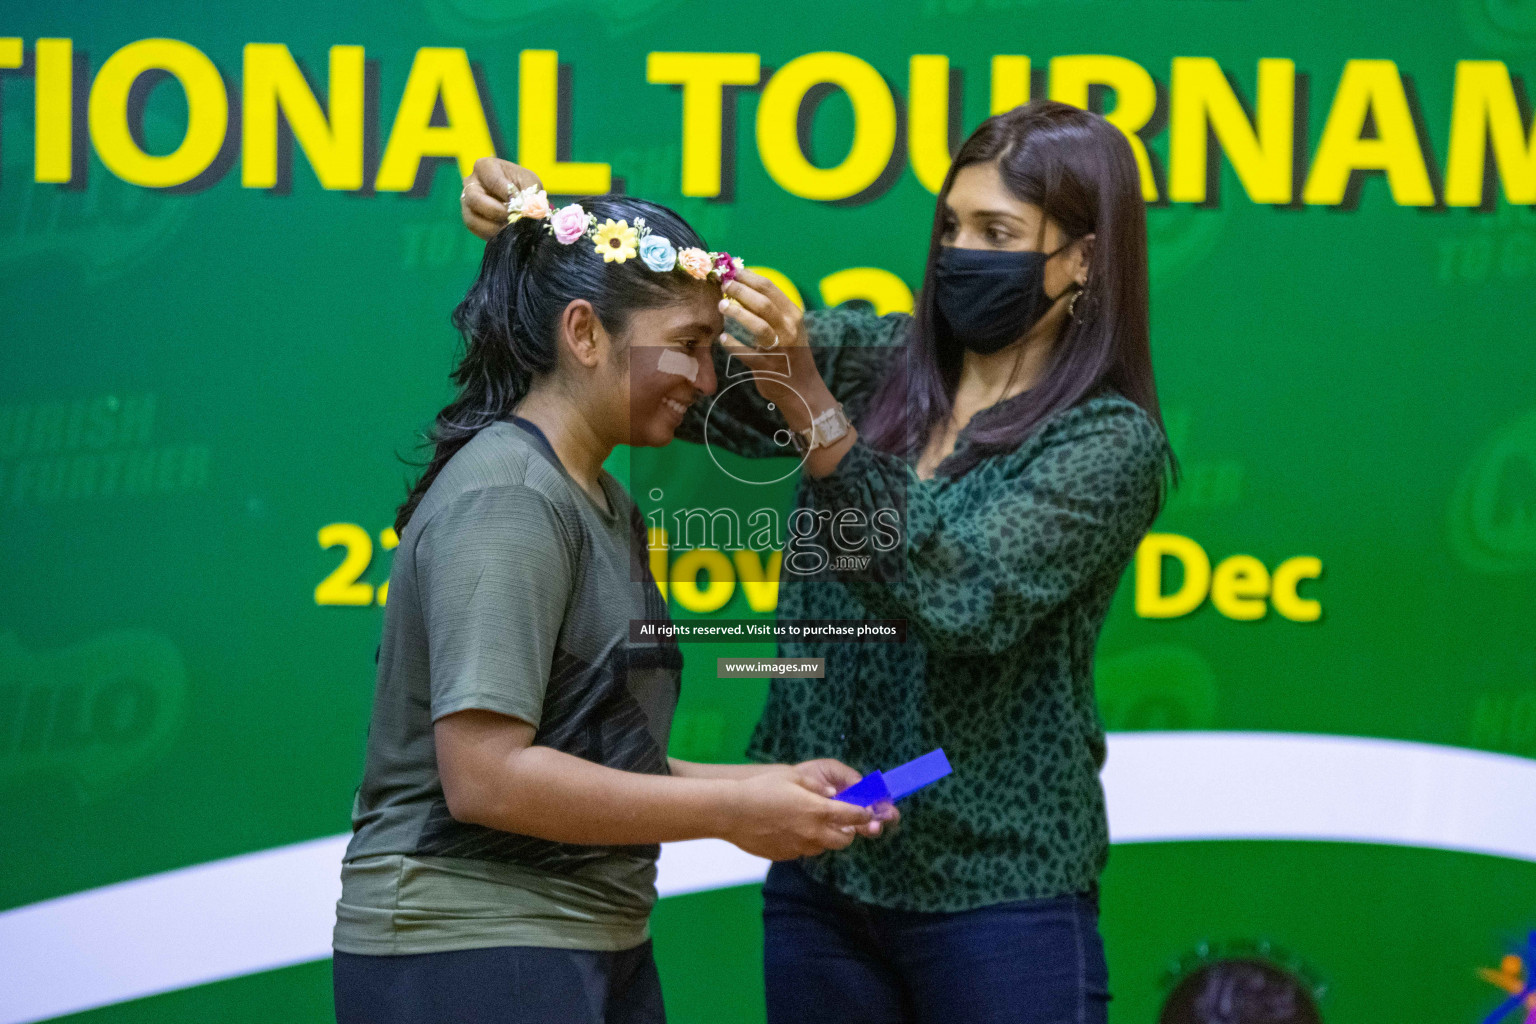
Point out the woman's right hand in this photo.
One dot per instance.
(780, 816)
(483, 202)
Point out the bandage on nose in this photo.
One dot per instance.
(675, 362)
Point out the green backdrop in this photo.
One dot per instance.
(200, 377)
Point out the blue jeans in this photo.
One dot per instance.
(830, 958)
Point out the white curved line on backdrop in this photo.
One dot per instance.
(275, 908)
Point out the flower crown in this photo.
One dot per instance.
(618, 241)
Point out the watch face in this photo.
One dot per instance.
(835, 426)
(825, 429)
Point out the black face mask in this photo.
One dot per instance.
(988, 299)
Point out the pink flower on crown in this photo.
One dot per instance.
(695, 262)
(726, 267)
(569, 223)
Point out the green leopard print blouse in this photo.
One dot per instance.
(1004, 580)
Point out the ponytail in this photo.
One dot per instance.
(498, 366)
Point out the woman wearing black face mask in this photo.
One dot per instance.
(1013, 424)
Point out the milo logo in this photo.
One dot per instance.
(97, 712)
(1493, 510)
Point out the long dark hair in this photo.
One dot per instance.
(1079, 170)
(510, 317)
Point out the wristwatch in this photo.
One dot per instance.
(827, 428)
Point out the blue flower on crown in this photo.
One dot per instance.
(658, 253)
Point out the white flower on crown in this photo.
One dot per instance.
(531, 202)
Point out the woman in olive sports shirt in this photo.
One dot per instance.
(1013, 422)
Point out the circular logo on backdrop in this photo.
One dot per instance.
(108, 229)
(482, 18)
(1493, 509)
(1182, 237)
(1501, 25)
(1159, 686)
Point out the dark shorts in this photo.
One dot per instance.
(828, 958)
(500, 985)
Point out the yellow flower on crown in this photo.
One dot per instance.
(616, 243)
